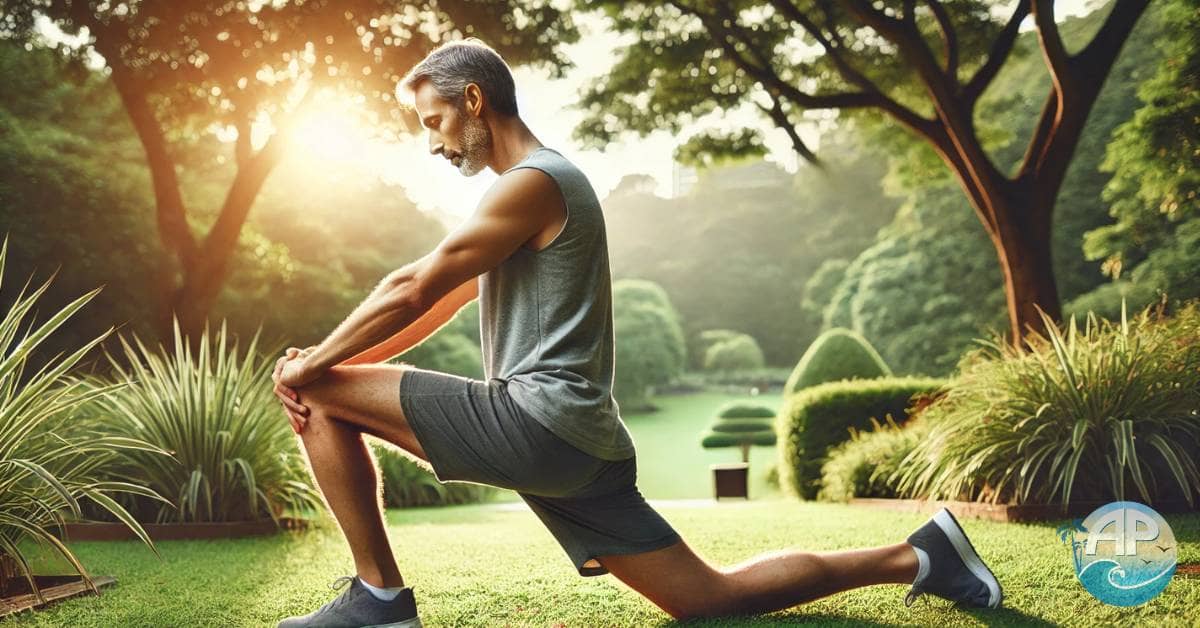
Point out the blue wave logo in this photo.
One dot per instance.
(1128, 553)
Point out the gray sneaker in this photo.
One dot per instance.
(356, 607)
(954, 570)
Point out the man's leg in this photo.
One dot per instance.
(344, 403)
(684, 585)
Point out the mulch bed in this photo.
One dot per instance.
(1004, 513)
(17, 596)
(104, 531)
(1188, 570)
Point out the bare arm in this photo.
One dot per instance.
(514, 209)
(422, 328)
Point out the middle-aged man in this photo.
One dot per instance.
(543, 422)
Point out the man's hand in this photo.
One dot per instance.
(290, 373)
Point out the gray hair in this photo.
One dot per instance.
(455, 64)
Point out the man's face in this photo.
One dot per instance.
(454, 133)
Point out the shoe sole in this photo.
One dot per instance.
(962, 545)
(415, 622)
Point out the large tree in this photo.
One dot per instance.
(923, 65)
(186, 67)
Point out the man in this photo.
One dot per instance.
(543, 422)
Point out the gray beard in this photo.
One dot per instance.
(476, 142)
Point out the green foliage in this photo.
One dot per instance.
(739, 353)
(736, 249)
(650, 348)
(740, 424)
(863, 466)
(1106, 413)
(234, 455)
(837, 354)
(744, 410)
(820, 417)
(407, 483)
(1154, 193)
(926, 289)
(454, 348)
(820, 287)
(50, 461)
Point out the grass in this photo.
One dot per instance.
(489, 565)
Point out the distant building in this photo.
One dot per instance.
(683, 178)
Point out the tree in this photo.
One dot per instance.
(649, 342)
(739, 424)
(871, 59)
(184, 67)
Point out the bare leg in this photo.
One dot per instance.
(684, 585)
(343, 404)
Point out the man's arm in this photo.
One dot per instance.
(513, 210)
(422, 328)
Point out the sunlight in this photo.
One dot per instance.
(332, 131)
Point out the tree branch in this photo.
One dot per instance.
(996, 56)
(775, 111)
(949, 38)
(1052, 46)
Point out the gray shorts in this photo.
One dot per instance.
(472, 431)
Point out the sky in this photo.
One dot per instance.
(437, 187)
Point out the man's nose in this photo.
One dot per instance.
(436, 148)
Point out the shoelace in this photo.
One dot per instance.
(335, 585)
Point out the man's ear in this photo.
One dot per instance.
(473, 99)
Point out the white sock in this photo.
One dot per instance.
(922, 564)
(386, 594)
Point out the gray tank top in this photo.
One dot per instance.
(545, 321)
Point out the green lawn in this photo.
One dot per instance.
(488, 565)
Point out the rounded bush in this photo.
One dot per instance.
(836, 355)
(821, 416)
(737, 353)
(744, 410)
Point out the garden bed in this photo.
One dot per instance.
(105, 531)
(1001, 512)
(17, 596)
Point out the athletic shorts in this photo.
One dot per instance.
(472, 431)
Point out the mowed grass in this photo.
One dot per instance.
(494, 565)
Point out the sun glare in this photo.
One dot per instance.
(332, 132)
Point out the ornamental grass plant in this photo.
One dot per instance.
(50, 462)
(1109, 412)
(234, 456)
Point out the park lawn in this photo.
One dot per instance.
(671, 462)
(493, 565)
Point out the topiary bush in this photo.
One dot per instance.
(650, 347)
(735, 353)
(835, 355)
(740, 424)
(821, 416)
(864, 465)
(406, 483)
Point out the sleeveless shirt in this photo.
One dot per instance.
(546, 322)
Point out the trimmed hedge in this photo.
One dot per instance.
(835, 355)
(863, 466)
(821, 416)
(740, 424)
(738, 353)
(744, 410)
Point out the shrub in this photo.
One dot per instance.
(235, 455)
(649, 341)
(406, 483)
(819, 417)
(740, 424)
(50, 462)
(737, 353)
(1070, 415)
(864, 465)
(835, 355)
(448, 352)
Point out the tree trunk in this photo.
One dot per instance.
(1023, 246)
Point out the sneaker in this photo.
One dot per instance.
(356, 607)
(953, 570)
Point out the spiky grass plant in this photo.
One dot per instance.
(407, 484)
(50, 462)
(235, 458)
(1106, 413)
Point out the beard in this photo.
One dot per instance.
(476, 143)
